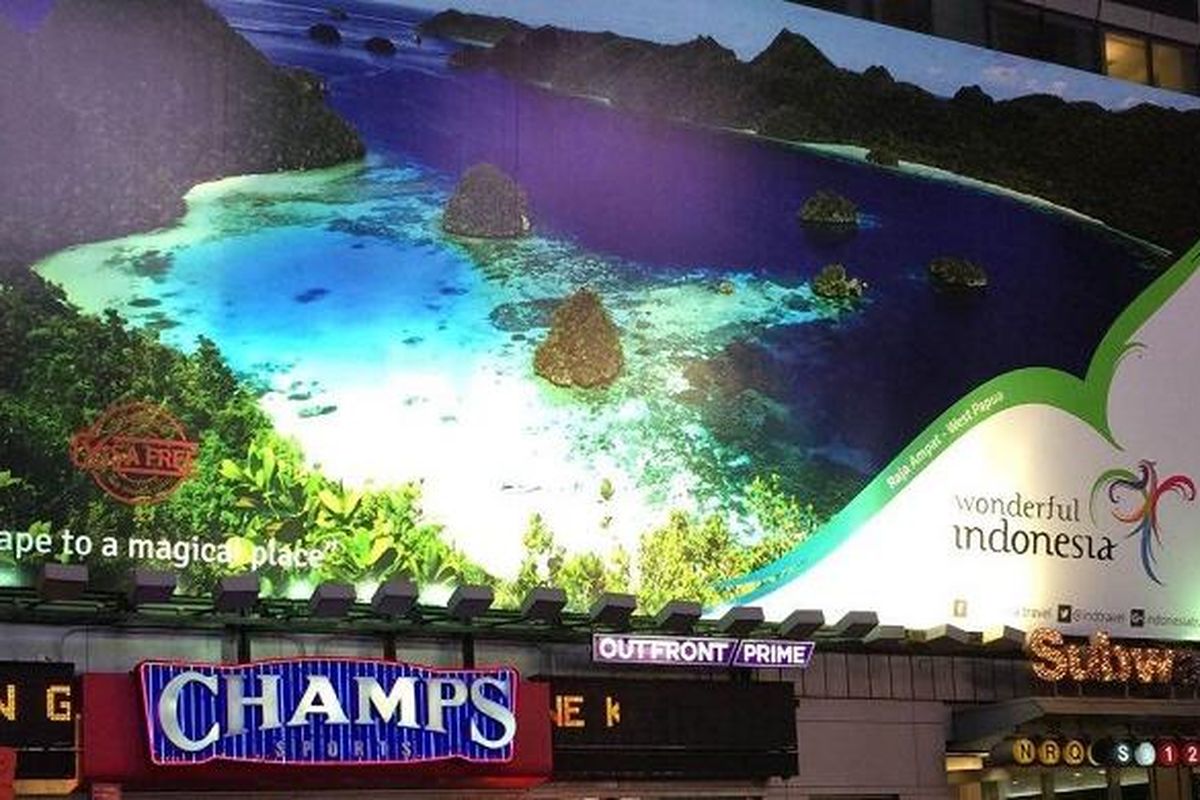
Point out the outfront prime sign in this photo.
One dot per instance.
(698, 651)
(329, 710)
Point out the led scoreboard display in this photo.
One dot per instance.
(37, 717)
(663, 728)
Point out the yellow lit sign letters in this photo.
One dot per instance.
(569, 711)
(1104, 662)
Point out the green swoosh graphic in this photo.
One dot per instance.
(1085, 399)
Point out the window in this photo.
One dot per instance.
(1070, 42)
(1023, 29)
(961, 20)
(915, 15)
(1125, 57)
(1045, 36)
(1174, 67)
(1016, 29)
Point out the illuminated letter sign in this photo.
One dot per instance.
(37, 717)
(1101, 661)
(323, 711)
(699, 651)
(606, 729)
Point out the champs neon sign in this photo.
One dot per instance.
(327, 711)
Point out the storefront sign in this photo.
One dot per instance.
(1102, 661)
(1053, 752)
(673, 728)
(37, 717)
(322, 711)
(1047, 752)
(1145, 752)
(113, 745)
(698, 651)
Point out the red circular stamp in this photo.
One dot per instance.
(136, 452)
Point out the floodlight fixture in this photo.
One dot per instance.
(801, 624)
(151, 586)
(237, 593)
(678, 616)
(855, 624)
(1004, 638)
(741, 620)
(331, 599)
(470, 601)
(544, 604)
(613, 609)
(62, 581)
(946, 637)
(395, 598)
(886, 634)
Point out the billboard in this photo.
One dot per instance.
(765, 305)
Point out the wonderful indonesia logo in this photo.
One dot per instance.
(1133, 499)
(1017, 524)
(1051, 526)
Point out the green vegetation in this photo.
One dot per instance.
(691, 559)
(251, 491)
(59, 370)
(684, 559)
(363, 535)
(834, 284)
(779, 513)
(250, 488)
(583, 577)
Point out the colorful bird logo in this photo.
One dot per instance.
(1148, 490)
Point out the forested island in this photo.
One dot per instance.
(1136, 170)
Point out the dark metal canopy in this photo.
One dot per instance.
(981, 727)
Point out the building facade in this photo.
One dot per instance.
(879, 712)
(361, 389)
(1152, 42)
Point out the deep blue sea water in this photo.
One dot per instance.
(357, 280)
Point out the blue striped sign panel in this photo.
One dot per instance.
(327, 711)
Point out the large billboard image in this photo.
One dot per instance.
(752, 303)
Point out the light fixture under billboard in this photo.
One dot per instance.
(613, 609)
(62, 581)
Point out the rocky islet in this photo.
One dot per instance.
(951, 272)
(488, 204)
(583, 348)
